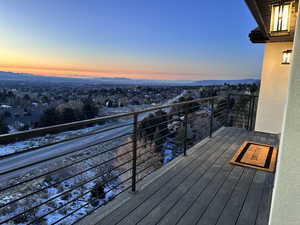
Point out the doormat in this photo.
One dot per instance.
(257, 156)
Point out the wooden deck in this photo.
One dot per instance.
(203, 188)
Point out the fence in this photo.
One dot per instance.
(65, 180)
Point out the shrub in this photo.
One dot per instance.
(49, 117)
(3, 127)
(98, 191)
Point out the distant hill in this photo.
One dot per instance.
(221, 82)
(23, 77)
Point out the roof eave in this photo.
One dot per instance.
(253, 7)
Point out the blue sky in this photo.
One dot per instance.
(183, 39)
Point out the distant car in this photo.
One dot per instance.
(5, 106)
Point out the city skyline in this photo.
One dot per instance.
(134, 39)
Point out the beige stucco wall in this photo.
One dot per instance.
(285, 208)
(273, 91)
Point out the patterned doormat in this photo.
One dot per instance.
(257, 156)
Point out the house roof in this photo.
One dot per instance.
(261, 11)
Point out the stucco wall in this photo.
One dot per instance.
(286, 195)
(274, 89)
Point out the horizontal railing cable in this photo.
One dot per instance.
(156, 125)
(153, 133)
(88, 202)
(139, 180)
(90, 212)
(153, 141)
(85, 193)
(45, 130)
(67, 153)
(114, 175)
(68, 178)
(65, 192)
(64, 167)
(63, 141)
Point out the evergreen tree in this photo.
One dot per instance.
(3, 127)
(89, 109)
(188, 107)
(158, 140)
(49, 117)
(154, 126)
(220, 109)
(68, 115)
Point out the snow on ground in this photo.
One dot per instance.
(64, 207)
(12, 129)
(170, 151)
(74, 208)
(59, 206)
(125, 109)
(49, 138)
(35, 142)
(168, 155)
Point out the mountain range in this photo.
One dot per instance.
(23, 77)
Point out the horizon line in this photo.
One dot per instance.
(78, 76)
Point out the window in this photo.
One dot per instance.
(280, 17)
(286, 57)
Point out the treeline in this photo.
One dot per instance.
(53, 116)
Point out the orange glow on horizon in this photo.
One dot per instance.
(81, 73)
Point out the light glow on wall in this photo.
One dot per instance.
(280, 17)
(286, 57)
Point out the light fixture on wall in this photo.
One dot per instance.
(280, 19)
(286, 57)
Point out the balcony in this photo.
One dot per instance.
(201, 188)
(63, 183)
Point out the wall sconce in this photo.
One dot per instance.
(286, 57)
(280, 19)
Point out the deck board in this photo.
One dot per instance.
(219, 202)
(249, 211)
(204, 189)
(264, 206)
(164, 181)
(184, 188)
(235, 203)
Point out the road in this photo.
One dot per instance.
(22, 163)
(9, 167)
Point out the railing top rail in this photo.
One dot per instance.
(123, 159)
(6, 138)
(249, 95)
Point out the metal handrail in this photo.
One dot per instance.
(6, 138)
(133, 161)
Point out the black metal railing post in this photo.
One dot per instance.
(249, 113)
(132, 157)
(185, 132)
(228, 110)
(134, 151)
(211, 118)
(252, 113)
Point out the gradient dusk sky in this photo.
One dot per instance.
(156, 39)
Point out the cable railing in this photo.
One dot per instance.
(242, 110)
(66, 180)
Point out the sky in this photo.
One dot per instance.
(152, 39)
